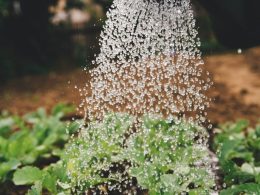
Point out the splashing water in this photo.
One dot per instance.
(149, 62)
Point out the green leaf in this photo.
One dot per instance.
(36, 189)
(5, 125)
(57, 152)
(27, 175)
(51, 139)
(227, 148)
(20, 123)
(41, 113)
(257, 130)
(249, 188)
(240, 126)
(199, 191)
(64, 186)
(59, 171)
(247, 168)
(257, 178)
(3, 145)
(49, 182)
(163, 155)
(255, 143)
(73, 127)
(171, 183)
(61, 109)
(21, 147)
(6, 167)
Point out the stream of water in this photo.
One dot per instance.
(149, 62)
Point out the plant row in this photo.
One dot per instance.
(118, 155)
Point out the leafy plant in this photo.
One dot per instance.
(88, 157)
(164, 156)
(238, 149)
(83, 161)
(28, 140)
(52, 178)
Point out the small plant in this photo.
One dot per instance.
(52, 178)
(90, 157)
(163, 156)
(238, 149)
(167, 158)
(83, 160)
(33, 138)
(119, 155)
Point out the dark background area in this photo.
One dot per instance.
(39, 36)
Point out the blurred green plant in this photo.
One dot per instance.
(4, 5)
(28, 140)
(52, 178)
(238, 149)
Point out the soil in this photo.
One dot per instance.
(235, 94)
(236, 90)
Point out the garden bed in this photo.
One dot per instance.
(235, 94)
(158, 157)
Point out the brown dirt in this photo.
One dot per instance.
(236, 91)
(27, 94)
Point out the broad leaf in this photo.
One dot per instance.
(6, 167)
(27, 175)
(36, 189)
(249, 188)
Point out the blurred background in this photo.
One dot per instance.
(45, 43)
(38, 36)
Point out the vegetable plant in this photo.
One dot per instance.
(238, 149)
(162, 155)
(33, 138)
(124, 154)
(52, 178)
(167, 159)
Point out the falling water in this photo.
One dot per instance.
(149, 62)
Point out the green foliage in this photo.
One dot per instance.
(27, 175)
(52, 178)
(32, 138)
(100, 145)
(165, 153)
(162, 155)
(249, 188)
(238, 149)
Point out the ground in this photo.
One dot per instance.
(235, 94)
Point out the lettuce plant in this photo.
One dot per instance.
(29, 139)
(123, 155)
(52, 178)
(167, 159)
(238, 149)
(164, 156)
